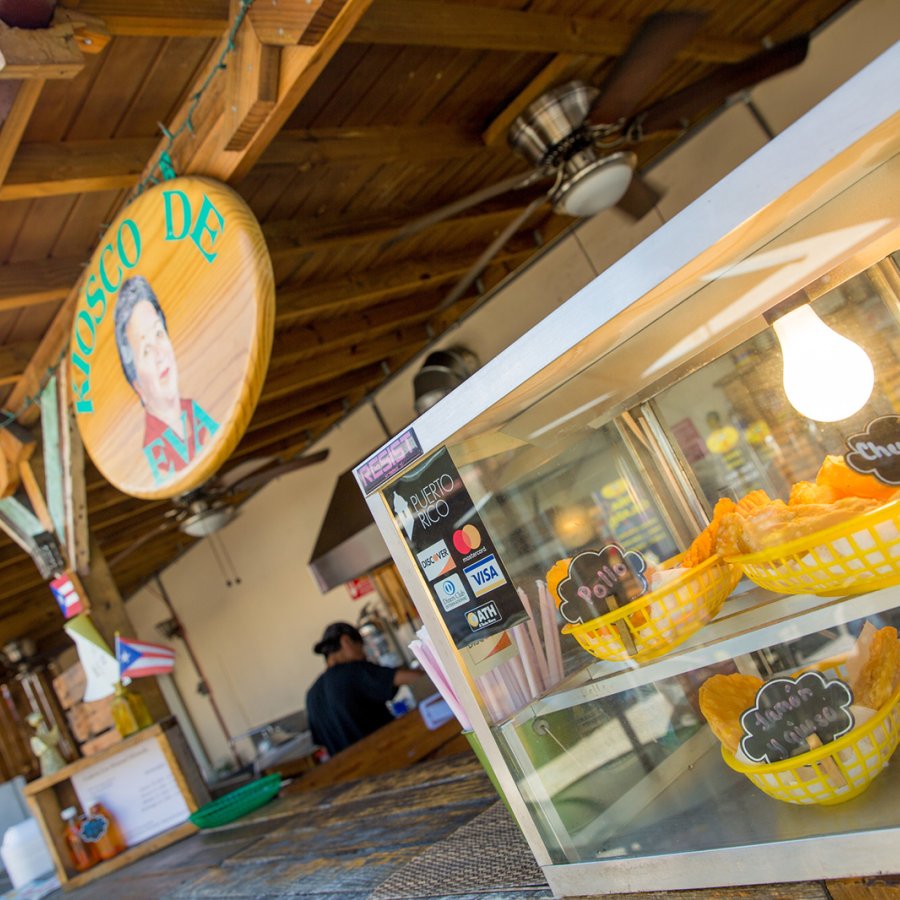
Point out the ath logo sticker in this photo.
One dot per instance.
(482, 616)
(436, 560)
(484, 575)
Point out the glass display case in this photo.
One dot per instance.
(656, 542)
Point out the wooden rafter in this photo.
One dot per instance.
(13, 360)
(75, 167)
(158, 18)
(25, 284)
(375, 286)
(467, 26)
(13, 126)
(292, 241)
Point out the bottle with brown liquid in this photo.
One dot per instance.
(82, 855)
(101, 829)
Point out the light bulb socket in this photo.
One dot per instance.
(789, 304)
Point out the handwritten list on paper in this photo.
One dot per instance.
(137, 786)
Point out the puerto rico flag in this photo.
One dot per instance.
(68, 596)
(139, 658)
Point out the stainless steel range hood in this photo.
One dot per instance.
(349, 543)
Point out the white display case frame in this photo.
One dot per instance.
(766, 202)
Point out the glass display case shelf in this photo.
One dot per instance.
(751, 620)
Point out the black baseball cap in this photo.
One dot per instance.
(331, 638)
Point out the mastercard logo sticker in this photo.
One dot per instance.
(467, 539)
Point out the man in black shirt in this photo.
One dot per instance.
(349, 699)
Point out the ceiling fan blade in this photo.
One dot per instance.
(680, 108)
(638, 70)
(639, 199)
(259, 478)
(227, 479)
(514, 183)
(145, 538)
(489, 253)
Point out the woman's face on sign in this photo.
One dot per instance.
(154, 358)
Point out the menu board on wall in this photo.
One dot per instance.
(137, 786)
(455, 553)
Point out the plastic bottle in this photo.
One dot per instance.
(129, 711)
(82, 855)
(101, 829)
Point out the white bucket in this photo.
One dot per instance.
(24, 853)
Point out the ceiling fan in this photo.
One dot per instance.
(577, 137)
(210, 507)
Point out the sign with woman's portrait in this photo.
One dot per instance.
(171, 337)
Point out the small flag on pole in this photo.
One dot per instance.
(139, 658)
(70, 597)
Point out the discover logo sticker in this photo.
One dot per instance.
(436, 560)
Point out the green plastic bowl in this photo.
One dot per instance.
(237, 803)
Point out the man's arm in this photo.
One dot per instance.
(407, 676)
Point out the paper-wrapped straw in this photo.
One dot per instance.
(539, 656)
(430, 663)
(491, 697)
(527, 658)
(551, 637)
(517, 667)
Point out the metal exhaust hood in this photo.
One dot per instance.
(349, 543)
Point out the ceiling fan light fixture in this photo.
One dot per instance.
(208, 521)
(596, 186)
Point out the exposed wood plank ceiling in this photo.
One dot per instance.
(401, 107)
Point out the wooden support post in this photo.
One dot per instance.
(251, 90)
(109, 615)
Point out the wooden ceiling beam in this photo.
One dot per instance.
(75, 167)
(312, 371)
(467, 26)
(13, 360)
(304, 149)
(38, 281)
(33, 617)
(359, 291)
(292, 241)
(12, 127)
(158, 18)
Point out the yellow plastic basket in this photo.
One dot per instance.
(854, 760)
(660, 619)
(861, 554)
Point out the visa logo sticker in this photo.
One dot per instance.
(485, 575)
(436, 560)
(482, 616)
(451, 593)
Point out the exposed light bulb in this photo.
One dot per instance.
(826, 376)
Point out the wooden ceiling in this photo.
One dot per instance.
(391, 108)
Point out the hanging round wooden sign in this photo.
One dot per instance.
(171, 337)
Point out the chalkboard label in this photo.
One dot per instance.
(876, 451)
(600, 582)
(790, 710)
